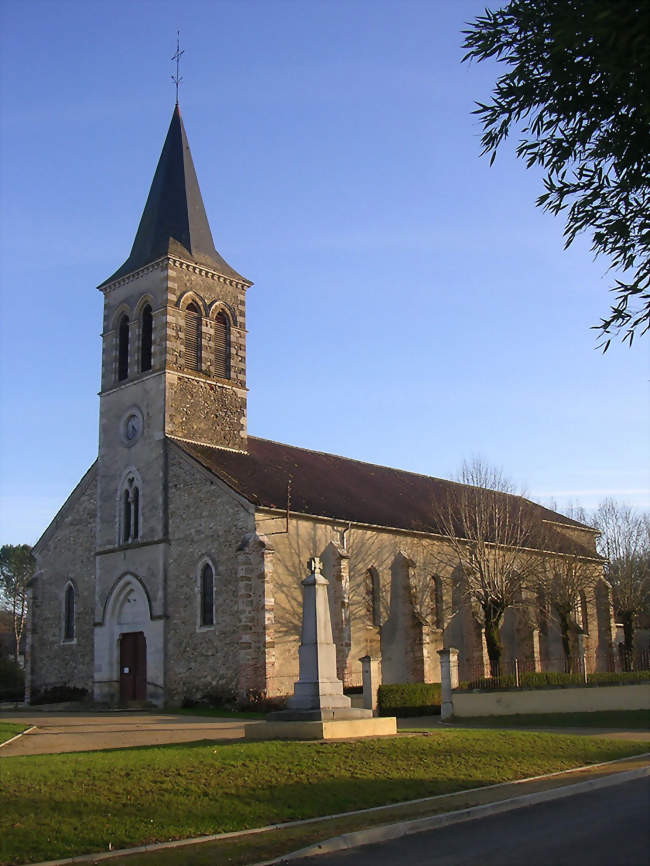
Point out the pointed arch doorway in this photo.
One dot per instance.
(133, 667)
(129, 646)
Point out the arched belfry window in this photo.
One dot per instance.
(68, 613)
(192, 346)
(146, 338)
(130, 507)
(123, 348)
(222, 346)
(207, 595)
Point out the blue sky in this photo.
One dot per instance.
(411, 306)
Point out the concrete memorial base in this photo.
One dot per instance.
(319, 714)
(338, 729)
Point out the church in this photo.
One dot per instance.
(173, 570)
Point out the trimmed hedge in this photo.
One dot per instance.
(409, 699)
(555, 679)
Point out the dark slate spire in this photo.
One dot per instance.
(173, 221)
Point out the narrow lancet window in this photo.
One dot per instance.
(222, 346)
(207, 595)
(135, 521)
(123, 349)
(437, 602)
(126, 517)
(130, 517)
(374, 596)
(146, 339)
(192, 338)
(68, 613)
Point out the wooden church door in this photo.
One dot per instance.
(133, 667)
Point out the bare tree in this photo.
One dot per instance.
(565, 583)
(493, 535)
(16, 570)
(625, 543)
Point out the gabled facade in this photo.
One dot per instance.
(173, 570)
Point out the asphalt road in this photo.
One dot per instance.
(608, 827)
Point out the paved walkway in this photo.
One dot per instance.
(85, 732)
(77, 732)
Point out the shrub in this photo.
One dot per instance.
(12, 680)
(554, 679)
(60, 695)
(258, 702)
(408, 699)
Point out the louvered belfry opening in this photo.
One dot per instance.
(192, 359)
(222, 346)
(146, 340)
(123, 349)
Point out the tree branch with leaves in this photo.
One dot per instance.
(578, 89)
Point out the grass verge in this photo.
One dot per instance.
(626, 719)
(61, 805)
(9, 730)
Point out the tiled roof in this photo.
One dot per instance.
(174, 221)
(346, 490)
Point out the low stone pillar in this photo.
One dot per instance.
(448, 679)
(371, 678)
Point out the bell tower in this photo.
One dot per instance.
(173, 365)
(176, 309)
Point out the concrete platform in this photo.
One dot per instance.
(322, 730)
(320, 715)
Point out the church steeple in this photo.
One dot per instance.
(174, 221)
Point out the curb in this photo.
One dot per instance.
(386, 832)
(98, 856)
(18, 736)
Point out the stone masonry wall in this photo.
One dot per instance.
(65, 554)
(415, 623)
(207, 524)
(204, 411)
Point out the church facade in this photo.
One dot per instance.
(173, 570)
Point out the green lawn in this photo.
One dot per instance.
(60, 805)
(9, 730)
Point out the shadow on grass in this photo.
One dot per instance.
(64, 805)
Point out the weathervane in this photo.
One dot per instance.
(177, 57)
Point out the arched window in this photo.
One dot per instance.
(207, 595)
(130, 507)
(123, 349)
(192, 360)
(374, 597)
(437, 602)
(542, 611)
(68, 613)
(581, 612)
(146, 339)
(222, 346)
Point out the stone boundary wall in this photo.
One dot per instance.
(577, 700)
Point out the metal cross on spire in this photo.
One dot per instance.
(177, 57)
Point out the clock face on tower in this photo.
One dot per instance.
(131, 426)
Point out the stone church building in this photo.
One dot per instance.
(173, 570)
